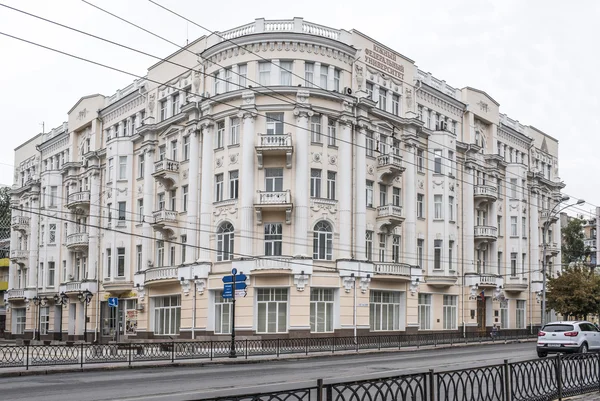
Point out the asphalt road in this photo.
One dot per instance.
(188, 383)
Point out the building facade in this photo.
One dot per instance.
(358, 193)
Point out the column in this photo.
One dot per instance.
(301, 170)
(534, 238)
(206, 196)
(192, 206)
(93, 231)
(345, 191)
(493, 248)
(410, 207)
(148, 206)
(32, 266)
(247, 188)
(360, 214)
(468, 211)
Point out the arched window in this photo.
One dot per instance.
(225, 242)
(323, 241)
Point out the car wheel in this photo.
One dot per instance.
(542, 354)
(583, 349)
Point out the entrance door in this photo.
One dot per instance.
(481, 317)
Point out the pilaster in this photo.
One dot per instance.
(302, 195)
(192, 205)
(360, 214)
(206, 195)
(247, 182)
(345, 191)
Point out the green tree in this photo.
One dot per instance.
(573, 248)
(4, 213)
(575, 292)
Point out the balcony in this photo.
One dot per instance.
(274, 265)
(487, 280)
(74, 287)
(19, 256)
(389, 167)
(163, 220)
(546, 215)
(274, 145)
(397, 270)
(166, 172)
(389, 216)
(274, 201)
(485, 193)
(156, 274)
(78, 242)
(515, 284)
(441, 279)
(486, 233)
(14, 295)
(79, 201)
(552, 248)
(20, 224)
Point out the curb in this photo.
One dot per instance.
(225, 361)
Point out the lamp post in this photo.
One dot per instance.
(545, 226)
(38, 302)
(61, 300)
(85, 297)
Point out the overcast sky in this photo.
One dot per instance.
(537, 58)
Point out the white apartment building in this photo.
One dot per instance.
(358, 193)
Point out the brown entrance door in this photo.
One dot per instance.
(481, 318)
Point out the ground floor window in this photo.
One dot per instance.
(167, 315)
(272, 304)
(504, 314)
(384, 310)
(321, 310)
(450, 312)
(424, 311)
(44, 320)
(222, 315)
(520, 314)
(19, 320)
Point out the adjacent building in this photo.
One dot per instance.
(358, 193)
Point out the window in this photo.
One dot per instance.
(19, 319)
(138, 258)
(396, 196)
(384, 310)
(53, 196)
(218, 187)
(383, 195)
(513, 226)
(382, 99)
(122, 207)
(450, 307)
(183, 248)
(370, 144)
(120, 262)
(450, 250)
(174, 150)
(162, 152)
(396, 105)
(513, 188)
(382, 247)
(122, 167)
(264, 73)
(451, 208)
(420, 113)
(225, 242)
(513, 264)
(219, 143)
(51, 274)
(163, 110)
(500, 265)
(420, 244)
(524, 227)
(499, 226)
(424, 311)
(44, 320)
(234, 133)
(274, 123)
(321, 310)
(272, 304)
(175, 104)
(369, 245)
(523, 259)
(141, 166)
(172, 256)
(499, 187)
(273, 239)
(222, 314)
(309, 74)
(420, 209)
(331, 132)
(274, 179)
(451, 163)
(186, 147)
(184, 200)
(369, 88)
(437, 254)
(336, 80)
(173, 200)
(228, 79)
(396, 249)
(161, 201)
(437, 207)
(315, 183)
(315, 129)
(369, 187)
(52, 233)
(108, 262)
(481, 217)
(233, 186)
(504, 314)
(437, 161)
(167, 315)
(331, 185)
(285, 73)
(242, 75)
(520, 314)
(323, 241)
(420, 160)
(160, 253)
(323, 76)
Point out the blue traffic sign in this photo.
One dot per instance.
(113, 302)
(239, 278)
(227, 291)
(234, 271)
(238, 286)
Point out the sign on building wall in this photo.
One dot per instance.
(384, 60)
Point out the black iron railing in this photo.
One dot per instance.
(129, 353)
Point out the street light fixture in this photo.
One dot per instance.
(39, 302)
(61, 300)
(545, 226)
(85, 298)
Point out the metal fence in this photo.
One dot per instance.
(534, 380)
(29, 355)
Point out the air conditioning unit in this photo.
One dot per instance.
(347, 91)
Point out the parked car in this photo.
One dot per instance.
(559, 337)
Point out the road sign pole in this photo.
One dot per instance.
(232, 353)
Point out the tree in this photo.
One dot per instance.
(4, 213)
(573, 248)
(575, 292)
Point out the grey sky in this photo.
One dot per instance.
(537, 58)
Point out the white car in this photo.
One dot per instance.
(558, 337)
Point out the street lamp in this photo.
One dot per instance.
(61, 300)
(39, 302)
(545, 226)
(85, 298)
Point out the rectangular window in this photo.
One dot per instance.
(420, 244)
(138, 258)
(183, 248)
(285, 73)
(437, 161)
(122, 167)
(274, 179)
(331, 175)
(513, 188)
(44, 320)
(52, 233)
(383, 194)
(420, 206)
(173, 200)
(51, 274)
(370, 144)
(162, 152)
(396, 105)
(396, 249)
(369, 193)
(321, 310)
(175, 104)
(273, 239)
(242, 75)
(523, 260)
(499, 187)
(172, 256)
(331, 132)
(264, 73)
(315, 183)
(160, 253)
(513, 264)
(315, 129)
(450, 312)
(141, 166)
(184, 200)
(220, 138)
(217, 81)
(228, 79)
(309, 74)
(218, 187)
(450, 255)
(174, 150)
(424, 311)
(186, 147)
(437, 207)
(336, 79)
(524, 227)
(513, 226)
(272, 314)
(451, 208)
(233, 184)
(108, 262)
(163, 110)
(382, 99)
(437, 254)
(369, 245)
(420, 160)
(19, 320)
(396, 196)
(222, 314)
(323, 76)
(369, 89)
(167, 315)
(120, 262)
(499, 227)
(122, 207)
(382, 247)
(53, 196)
(521, 314)
(500, 263)
(161, 201)
(234, 133)
(274, 123)
(384, 310)
(451, 163)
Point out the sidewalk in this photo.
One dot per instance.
(44, 370)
